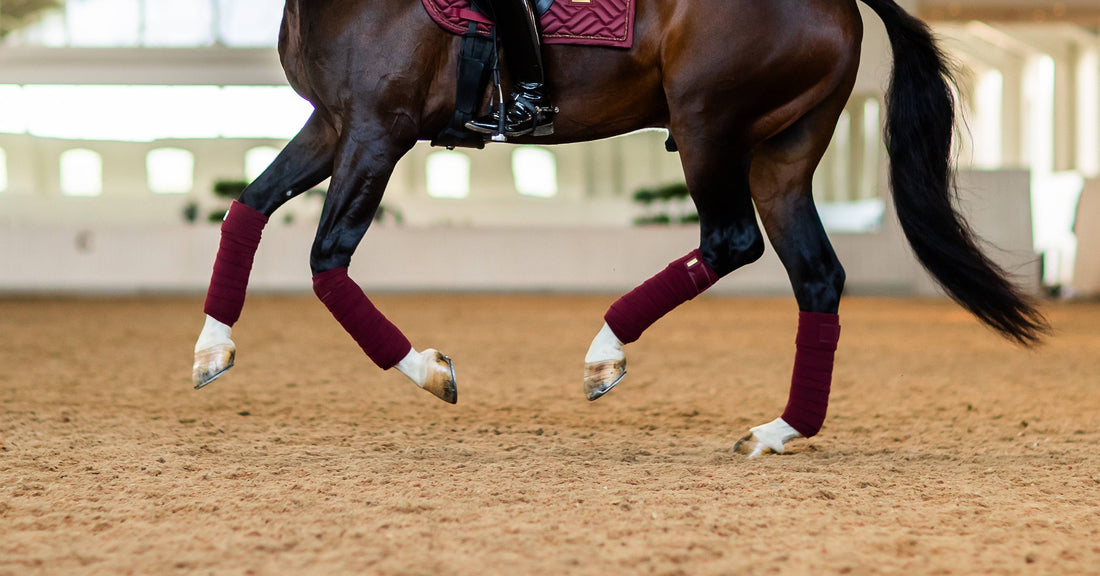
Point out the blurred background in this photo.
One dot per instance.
(127, 126)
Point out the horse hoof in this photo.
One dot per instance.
(601, 377)
(212, 362)
(441, 379)
(770, 437)
(751, 446)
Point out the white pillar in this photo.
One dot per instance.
(1088, 111)
(988, 119)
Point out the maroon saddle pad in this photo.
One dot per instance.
(587, 22)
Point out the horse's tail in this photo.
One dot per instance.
(919, 126)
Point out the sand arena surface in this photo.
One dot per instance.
(946, 451)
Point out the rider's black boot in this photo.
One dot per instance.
(529, 110)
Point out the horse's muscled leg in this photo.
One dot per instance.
(729, 239)
(303, 163)
(782, 175)
(363, 166)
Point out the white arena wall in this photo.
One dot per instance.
(93, 257)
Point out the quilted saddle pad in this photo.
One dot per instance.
(587, 22)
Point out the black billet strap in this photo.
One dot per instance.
(474, 64)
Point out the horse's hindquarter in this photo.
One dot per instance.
(754, 66)
(745, 67)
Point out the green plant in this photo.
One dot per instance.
(229, 189)
(659, 205)
(645, 196)
(675, 191)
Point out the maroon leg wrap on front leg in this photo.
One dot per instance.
(815, 348)
(241, 232)
(377, 336)
(681, 281)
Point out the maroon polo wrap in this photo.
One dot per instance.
(241, 232)
(378, 337)
(681, 281)
(815, 348)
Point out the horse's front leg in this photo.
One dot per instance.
(303, 163)
(364, 162)
(729, 239)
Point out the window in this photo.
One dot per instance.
(257, 160)
(147, 113)
(14, 105)
(235, 23)
(178, 23)
(170, 170)
(81, 173)
(103, 22)
(243, 23)
(448, 174)
(261, 112)
(535, 171)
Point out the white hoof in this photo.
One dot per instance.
(215, 353)
(770, 437)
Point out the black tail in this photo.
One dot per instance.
(919, 126)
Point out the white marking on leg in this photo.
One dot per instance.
(213, 333)
(772, 436)
(415, 366)
(423, 367)
(605, 346)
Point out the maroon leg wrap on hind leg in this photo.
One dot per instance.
(815, 348)
(377, 336)
(241, 232)
(681, 281)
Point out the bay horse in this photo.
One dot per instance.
(750, 91)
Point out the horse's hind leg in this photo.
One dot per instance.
(782, 172)
(303, 163)
(364, 162)
(718, 179)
